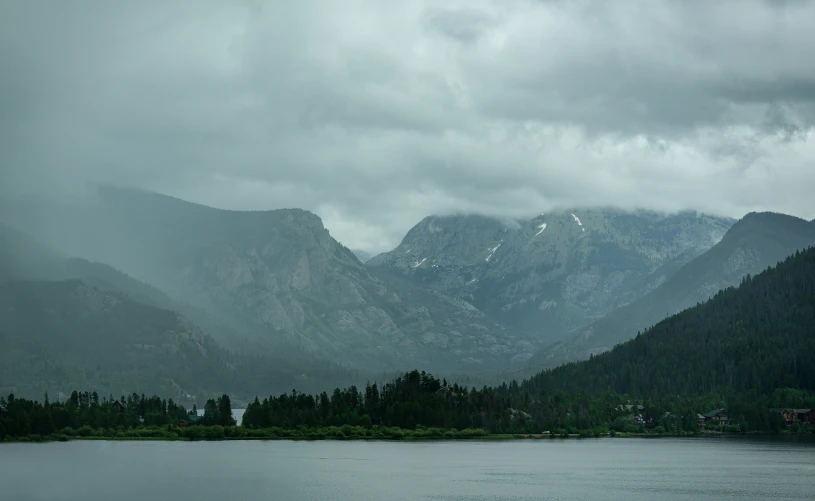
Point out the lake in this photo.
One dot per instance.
(607, 469)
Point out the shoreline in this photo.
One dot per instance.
(409, 438)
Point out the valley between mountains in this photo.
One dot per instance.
(133, 289)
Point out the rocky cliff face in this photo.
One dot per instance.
(297, 284)
(441, 242)
(555, 272)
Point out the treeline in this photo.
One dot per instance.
(413, 405)
(84, 414)
(419, 400)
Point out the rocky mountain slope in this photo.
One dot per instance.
(280, 278)
(63, 335)
(32, 273)
(24, 258)
(66, 335)
(754, 243)
(555, 272)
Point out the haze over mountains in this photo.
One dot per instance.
(278, 278)
(269, 297)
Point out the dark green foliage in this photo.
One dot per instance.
(419, 401)
(218, 412)
(758, 337)
(85, 415)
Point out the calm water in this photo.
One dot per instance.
(607, 469)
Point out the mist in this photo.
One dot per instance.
(374, 117)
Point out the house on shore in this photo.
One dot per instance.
(636, 413)
(717, 417)
(191, 420)
(792, 415)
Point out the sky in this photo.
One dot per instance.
(376, 114)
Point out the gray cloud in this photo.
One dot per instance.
(375, 114)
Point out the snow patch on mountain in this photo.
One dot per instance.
(542, 227)
(577, 219)
(492, 252)
(419, 263)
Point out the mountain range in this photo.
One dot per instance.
(280, 280)
(275, 300)
(553, 273)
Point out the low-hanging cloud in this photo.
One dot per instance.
(375, 114)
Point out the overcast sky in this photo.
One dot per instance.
(375, 114)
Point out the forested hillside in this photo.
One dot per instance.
(754, 338)
(755, 242)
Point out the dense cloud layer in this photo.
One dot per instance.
(375, 114)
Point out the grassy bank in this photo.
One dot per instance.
(196, 433)
(346, 432)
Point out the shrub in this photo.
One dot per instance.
(194, 433)
(214, 432)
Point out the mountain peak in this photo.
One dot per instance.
(769, 225)
(766, 216)
(446, 240)
(127, 198)
(550, 273)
